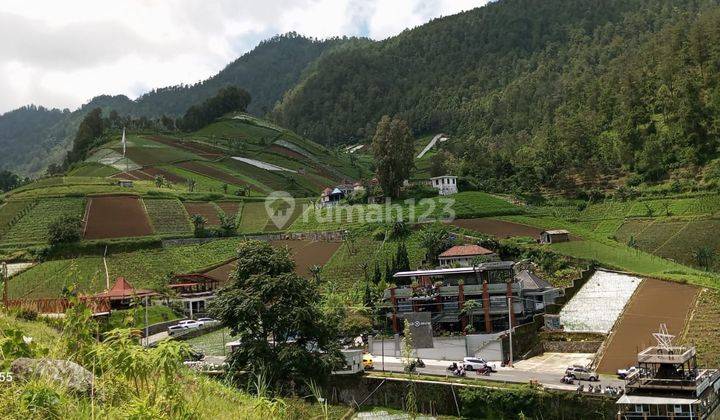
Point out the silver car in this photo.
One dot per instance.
(582, 373)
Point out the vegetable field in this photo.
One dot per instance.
(254, 217)
(703, 327)
(33, 226)
(168, 217)
(207, 210)
(11, 212)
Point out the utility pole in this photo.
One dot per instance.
(4, 278)
(147, 338)
(510, 325)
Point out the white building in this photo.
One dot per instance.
(446, 184)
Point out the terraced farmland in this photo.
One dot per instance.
(207, 210)
(116, 217)
(254, 218)
(33, 226)
(168, 217)
(703, 328)
(11, 212)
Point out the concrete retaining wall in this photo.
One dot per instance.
(487, 346)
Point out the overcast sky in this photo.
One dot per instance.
(62, 53)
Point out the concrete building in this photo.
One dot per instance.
(446, 184)
(194, 291)
(445, 294)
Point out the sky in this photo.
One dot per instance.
(60, 54)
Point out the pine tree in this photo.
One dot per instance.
(402, 261)
(388, 273)
(377, 275)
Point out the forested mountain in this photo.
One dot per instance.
(33, 137)
(535, 92)
(25, 137)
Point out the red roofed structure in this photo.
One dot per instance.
(464, 254)
(122, 292)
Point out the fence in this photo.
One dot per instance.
(59, 305)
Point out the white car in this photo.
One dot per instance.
(582, 373)
(473, 363)
(174, 329)
(189, 324)
(624, 373)
(204, 321)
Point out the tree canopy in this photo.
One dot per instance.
(275, 316)
(392, 147)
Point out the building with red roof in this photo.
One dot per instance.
(463, 255)
(122, 293)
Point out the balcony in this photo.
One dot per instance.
(697, 383)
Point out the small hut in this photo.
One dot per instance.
(554, 236)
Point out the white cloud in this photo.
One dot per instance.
(62, 53)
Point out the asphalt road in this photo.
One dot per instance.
(547, 379)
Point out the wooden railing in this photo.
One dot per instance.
(59, 305)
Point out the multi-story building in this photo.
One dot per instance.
(669, 384)
(488, 296)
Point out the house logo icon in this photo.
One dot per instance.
(279, 206)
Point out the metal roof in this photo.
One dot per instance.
(557, 232)
(644, 399)
(492, 265)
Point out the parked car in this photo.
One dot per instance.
(206, 321)
(473, 363)
(624, 373)
(367, 361)
(582, 373)
(174, 329)
(189, 324)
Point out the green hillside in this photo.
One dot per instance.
(536, 93)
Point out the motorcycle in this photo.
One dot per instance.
(419, 363)
(567, 380)
(485, 370)
(453, 367)
(459, 372)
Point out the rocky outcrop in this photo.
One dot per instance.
(70, 374)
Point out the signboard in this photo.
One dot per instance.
(420, 329)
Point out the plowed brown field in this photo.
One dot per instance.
(653, 303)
(305, 253)
(116, 217)
(499, 228)
(206, 210)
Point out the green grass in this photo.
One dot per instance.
(33, 226)
(254, 218)
(135, 317)
(212, 343)
(202, 182)
(93, 169)
(168, 216)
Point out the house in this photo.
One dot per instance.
(122, 294)
(194, 291)
(463, 255)
(554, 236)
(125, 183)
(331, 196)
(446, 184)
(669, 384)
(346, 188)
(444, 293)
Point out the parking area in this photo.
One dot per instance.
(554, 362)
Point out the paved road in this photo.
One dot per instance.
(547, 379)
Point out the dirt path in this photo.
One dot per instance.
(653, 303)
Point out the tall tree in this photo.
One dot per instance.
(275, 315)
(91, 128)
(393, 148)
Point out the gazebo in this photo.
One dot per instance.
(122, 294)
